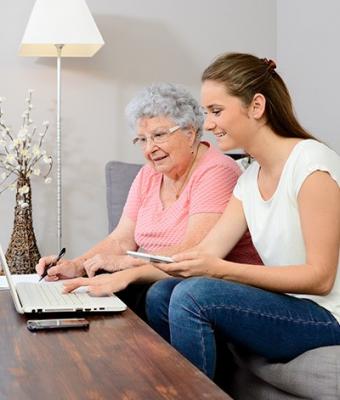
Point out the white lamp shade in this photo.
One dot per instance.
(66, 22)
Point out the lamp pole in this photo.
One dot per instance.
(51, 23)
(59, 188)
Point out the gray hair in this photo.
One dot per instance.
(166, 100)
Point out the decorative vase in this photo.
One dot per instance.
(23, 254)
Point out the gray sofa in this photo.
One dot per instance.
(314, 375)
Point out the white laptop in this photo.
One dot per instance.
(47, 297)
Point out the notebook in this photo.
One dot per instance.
(48, 297)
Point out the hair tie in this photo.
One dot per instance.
(270, 63)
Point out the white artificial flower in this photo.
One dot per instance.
(21, 152)
(10, 158)
(24, 205)
(22, 133)
(36, 150)
(47, 160)
(24, 189)
(17, 142)
(24, 153)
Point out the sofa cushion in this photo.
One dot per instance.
(313, 375)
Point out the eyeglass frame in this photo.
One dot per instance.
(167, 133)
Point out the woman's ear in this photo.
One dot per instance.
(257, 106)
(192, 136)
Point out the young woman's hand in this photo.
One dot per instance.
(190, 264)
(110, 263)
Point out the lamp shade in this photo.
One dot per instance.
(63, 22)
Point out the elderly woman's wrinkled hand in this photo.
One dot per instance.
(64, 269)
(190, 264)
(101, 285)
(110, 263)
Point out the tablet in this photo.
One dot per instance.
(150, 257)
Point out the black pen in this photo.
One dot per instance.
(53, 263)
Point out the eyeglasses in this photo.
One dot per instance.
(156, 138)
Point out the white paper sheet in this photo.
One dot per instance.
(18, 278)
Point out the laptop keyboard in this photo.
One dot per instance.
(50, 294)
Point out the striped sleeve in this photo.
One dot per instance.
(212, 189)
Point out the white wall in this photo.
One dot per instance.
(146, 41)
(308, 54)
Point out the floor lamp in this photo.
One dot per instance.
(60, 28)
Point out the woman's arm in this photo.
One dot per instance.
(218, 235)
(319, 208)
(107, 253)
(231, 224)
(227, 232)
(106, 284)
(102, 255)
(198, 227)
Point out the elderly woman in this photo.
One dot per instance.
(173, 202)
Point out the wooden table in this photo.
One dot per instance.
(119, 357)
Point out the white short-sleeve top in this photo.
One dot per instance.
(274, 224)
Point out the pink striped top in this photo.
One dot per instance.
(207, 191)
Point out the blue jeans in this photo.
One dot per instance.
(190, 314)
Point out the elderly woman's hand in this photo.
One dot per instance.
(101, 285)
(110, 263)
(193, 263)
(64, 269)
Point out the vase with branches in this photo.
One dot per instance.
(22, 157)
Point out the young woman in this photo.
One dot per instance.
(289, 198)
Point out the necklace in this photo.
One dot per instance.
(186, 176)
